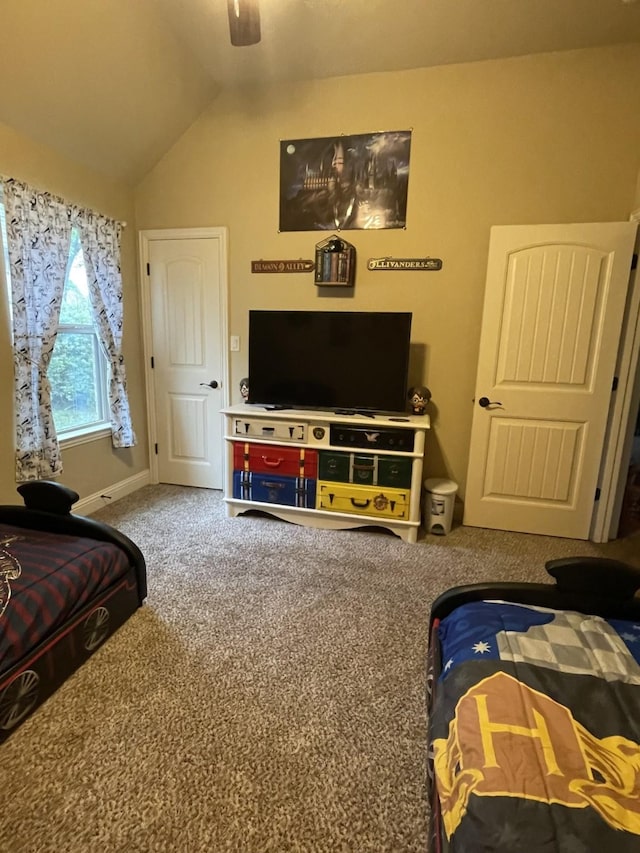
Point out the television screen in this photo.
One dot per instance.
(337, 360)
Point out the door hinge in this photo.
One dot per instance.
(156, 448)
(153, 364)
(597, 497)
(614, 384)
(148, 269)
(634, 260)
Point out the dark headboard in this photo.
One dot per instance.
(594, 585)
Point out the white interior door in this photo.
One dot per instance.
(554, 305)
(187, 290)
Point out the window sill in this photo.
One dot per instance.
(84, 436)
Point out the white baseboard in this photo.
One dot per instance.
(92, 503)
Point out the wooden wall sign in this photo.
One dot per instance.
(404, 264)
(282, 266)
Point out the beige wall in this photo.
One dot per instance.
(540, 139)
(91, 467)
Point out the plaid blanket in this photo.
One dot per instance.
(44, 579)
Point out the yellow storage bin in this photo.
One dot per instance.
(363, 500)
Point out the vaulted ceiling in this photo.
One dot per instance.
(114, 83)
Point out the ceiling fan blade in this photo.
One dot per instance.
(244, 22)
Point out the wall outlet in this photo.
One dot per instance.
(235, 343)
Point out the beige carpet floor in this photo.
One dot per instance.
(269, 696)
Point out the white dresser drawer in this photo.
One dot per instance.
(263, 428)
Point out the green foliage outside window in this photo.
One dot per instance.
(72, 373)
(75, 372)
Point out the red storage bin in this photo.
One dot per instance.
(275, 459)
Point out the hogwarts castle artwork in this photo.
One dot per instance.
(345, 182)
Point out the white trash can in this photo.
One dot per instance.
(438, 505)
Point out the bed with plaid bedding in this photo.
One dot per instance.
(67, 584)
(534, 730)
(46, 578)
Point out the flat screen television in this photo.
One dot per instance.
(335, 360)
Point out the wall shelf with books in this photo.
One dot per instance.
(335, 263)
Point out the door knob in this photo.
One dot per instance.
(212, 384)
(485, 402)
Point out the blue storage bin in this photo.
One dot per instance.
(274, 489)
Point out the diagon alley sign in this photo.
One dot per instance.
(282, 266)
(404, 264)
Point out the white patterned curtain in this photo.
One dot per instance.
(38, 238)
(100, 240)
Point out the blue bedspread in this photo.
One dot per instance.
(535, 731)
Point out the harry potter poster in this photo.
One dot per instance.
(345, 182)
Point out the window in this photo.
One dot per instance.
(78, 369)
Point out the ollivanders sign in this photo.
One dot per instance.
(282, 266)
(404, 264)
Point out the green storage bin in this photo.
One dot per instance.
(334, 466)
(394, 471)
(365, 469)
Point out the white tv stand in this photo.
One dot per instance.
(325, 469)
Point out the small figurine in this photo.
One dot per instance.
(244, 388)
(419, 397)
